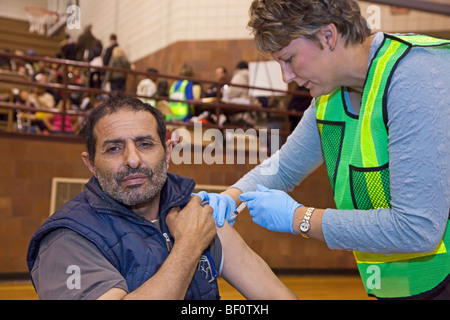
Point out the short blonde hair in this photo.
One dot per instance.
(118, 52)
(275, 23)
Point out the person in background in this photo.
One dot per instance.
(240, 95)
(108, 52)
(58, 123)
(240, 77)
(221, 76)
(85, 43)
(182, 90)
(39, 98)
(68, 48)
(117, 79)
(147, 87)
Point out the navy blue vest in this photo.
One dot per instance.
(131, 243)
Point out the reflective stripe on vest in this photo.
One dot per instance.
(180, 110)
(356, 156)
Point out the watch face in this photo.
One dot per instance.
(304, 226)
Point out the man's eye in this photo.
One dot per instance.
(145, 144)
(112, 149)
(288, 60)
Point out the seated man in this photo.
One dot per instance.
(135, 232)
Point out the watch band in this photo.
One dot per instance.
(305, 225)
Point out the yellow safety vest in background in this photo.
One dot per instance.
(180, 110)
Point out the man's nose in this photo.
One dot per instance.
(132, 158)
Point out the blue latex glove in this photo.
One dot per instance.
(222, 204)
(271, 209)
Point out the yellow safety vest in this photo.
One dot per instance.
(180, 110)
(356, 156)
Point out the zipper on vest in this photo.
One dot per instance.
(168, 242)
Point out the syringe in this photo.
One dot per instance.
(237, 211)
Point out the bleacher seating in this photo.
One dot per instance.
(14, 35)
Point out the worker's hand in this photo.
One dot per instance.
(271, 209)
(222, 204)
(193, 225)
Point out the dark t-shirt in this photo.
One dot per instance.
(70, 267)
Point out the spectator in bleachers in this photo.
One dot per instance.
(162, 89)
(5, 63)
(241, 95)
(96, 60)
(221, 75)
(40, 99)
(96, 50)
(147, 87)
(21, 65)
(68, 48)
(54, 121)
(76, 77)
(85, 44)
(108, 52)
(182, 90)
(117, 79)
(240, 77)
(54, 73)
(42, 67)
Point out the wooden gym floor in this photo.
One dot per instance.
(348, 287)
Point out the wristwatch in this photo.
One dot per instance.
(305, 225)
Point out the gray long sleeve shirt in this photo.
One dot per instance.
(418, 120)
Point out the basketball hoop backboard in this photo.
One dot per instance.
(39, 18)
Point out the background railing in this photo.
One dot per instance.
(12, 80)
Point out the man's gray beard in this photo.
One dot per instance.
(133, 196)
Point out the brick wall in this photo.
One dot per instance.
(26, 171)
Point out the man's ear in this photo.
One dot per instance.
(88, 162)
(169, 148)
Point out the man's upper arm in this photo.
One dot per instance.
(248, 272)
(71, 267)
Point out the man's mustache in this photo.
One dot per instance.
(121, 175)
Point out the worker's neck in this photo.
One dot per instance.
(356, 70)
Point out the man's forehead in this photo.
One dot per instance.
(125, 123)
